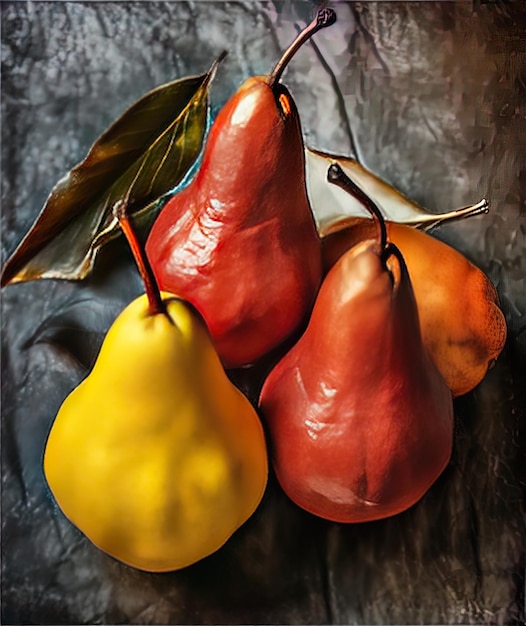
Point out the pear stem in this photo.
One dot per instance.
(155, 302)
(337, 176)
(324, 17)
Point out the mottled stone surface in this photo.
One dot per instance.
(435, 96)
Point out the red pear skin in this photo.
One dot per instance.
(240, 241)
(360, 420)
(463, 327)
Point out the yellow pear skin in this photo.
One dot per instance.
(156, 457)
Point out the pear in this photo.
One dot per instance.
(240, 241)
(360, 419)
(463, 327)
(156, 457)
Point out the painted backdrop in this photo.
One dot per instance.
(431, 96)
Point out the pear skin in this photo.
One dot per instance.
(463, 327)
(360, 420)
(156, 457)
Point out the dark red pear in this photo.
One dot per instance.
(360, 420)
(240, 241)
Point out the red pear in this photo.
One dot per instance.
(240, 241)
(360, 419)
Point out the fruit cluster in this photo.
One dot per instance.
(160, 470)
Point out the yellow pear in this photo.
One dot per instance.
(156, 457)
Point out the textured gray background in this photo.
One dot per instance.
(435, 96)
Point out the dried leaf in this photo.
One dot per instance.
(333, 207)
(141, 157)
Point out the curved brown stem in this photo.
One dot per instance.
(155, 302)
(324, 17)
(337, 176)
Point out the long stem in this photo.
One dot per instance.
(155, 302)
(337, 176)
(324, 17)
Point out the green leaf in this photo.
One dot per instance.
(333, 206)
(141, 157)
